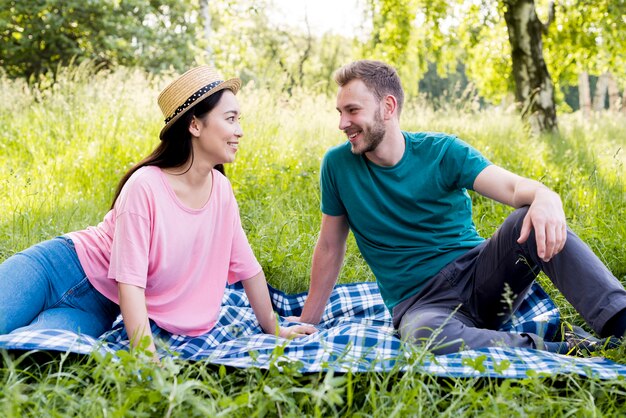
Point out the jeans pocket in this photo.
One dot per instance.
(74, 297)
(67, 241)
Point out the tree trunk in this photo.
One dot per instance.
(584, 94)
(599, 97)
(206, 18)
(534, 89)
(613, 90)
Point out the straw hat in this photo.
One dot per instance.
(195, 85)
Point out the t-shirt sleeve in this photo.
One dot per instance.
(330, 203)
(131, 238)
(461, 164)
(243, 263)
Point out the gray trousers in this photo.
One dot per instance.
(464, 304)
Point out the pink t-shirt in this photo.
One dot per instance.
(183, 257)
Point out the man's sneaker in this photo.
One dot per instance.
(581, 343)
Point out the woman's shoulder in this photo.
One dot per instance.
(220, 180)
(146, 173)
(141, 185)
(146, 176)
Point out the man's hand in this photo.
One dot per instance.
(545, 212)
(545, 215)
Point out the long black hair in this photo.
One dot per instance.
(175, 148)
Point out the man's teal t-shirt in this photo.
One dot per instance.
(409, 220)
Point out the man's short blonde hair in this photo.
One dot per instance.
(380, 78)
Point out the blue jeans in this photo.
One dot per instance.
(45, 287)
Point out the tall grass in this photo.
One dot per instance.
(62, 151)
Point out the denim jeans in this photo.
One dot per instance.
(45, 287)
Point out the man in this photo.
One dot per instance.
(404, 197)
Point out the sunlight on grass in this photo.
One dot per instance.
(63, 150)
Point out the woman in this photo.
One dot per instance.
(169, 244)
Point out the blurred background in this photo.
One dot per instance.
(542, 58)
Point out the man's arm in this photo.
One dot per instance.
(545, 214)
(327, 259)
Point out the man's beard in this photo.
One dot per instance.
(372, 136)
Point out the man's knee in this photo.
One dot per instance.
(426, 328)
(517, 216)
(512, 225)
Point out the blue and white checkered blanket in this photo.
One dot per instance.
(355, 334)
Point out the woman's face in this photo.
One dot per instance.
(215, 136)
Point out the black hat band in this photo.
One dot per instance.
(192, 99)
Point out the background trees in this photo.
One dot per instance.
(504, 49)
(535, 49)
(36, 36)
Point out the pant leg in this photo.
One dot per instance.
(576, 272)
(69, 319)
(446, 331)
(24, 286)
(439, 315)
(501, 267)
(46, 287)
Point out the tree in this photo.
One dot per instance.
(584, 37)
(534, 89)
(533, 86)
(599, 97)
(587, 38)
(36, 36)
(506, 48)
(584, 93)
(206, 18)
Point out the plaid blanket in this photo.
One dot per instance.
(355, 334)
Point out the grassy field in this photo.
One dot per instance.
(63, 149)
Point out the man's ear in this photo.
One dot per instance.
(390, 107)
(194, 126)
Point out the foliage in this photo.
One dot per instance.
(44, 384)
(37, 36)
(280, 58)
(585, 35)
(488, 60)
(410, 34)
(392, 40)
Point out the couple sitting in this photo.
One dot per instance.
(173, 238)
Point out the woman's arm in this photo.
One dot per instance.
(135, 315)
(259, 297)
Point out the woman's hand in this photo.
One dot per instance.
(296, 331)
(259, 297)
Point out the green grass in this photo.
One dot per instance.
(62, 151)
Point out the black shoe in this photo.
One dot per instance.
(581, 343)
